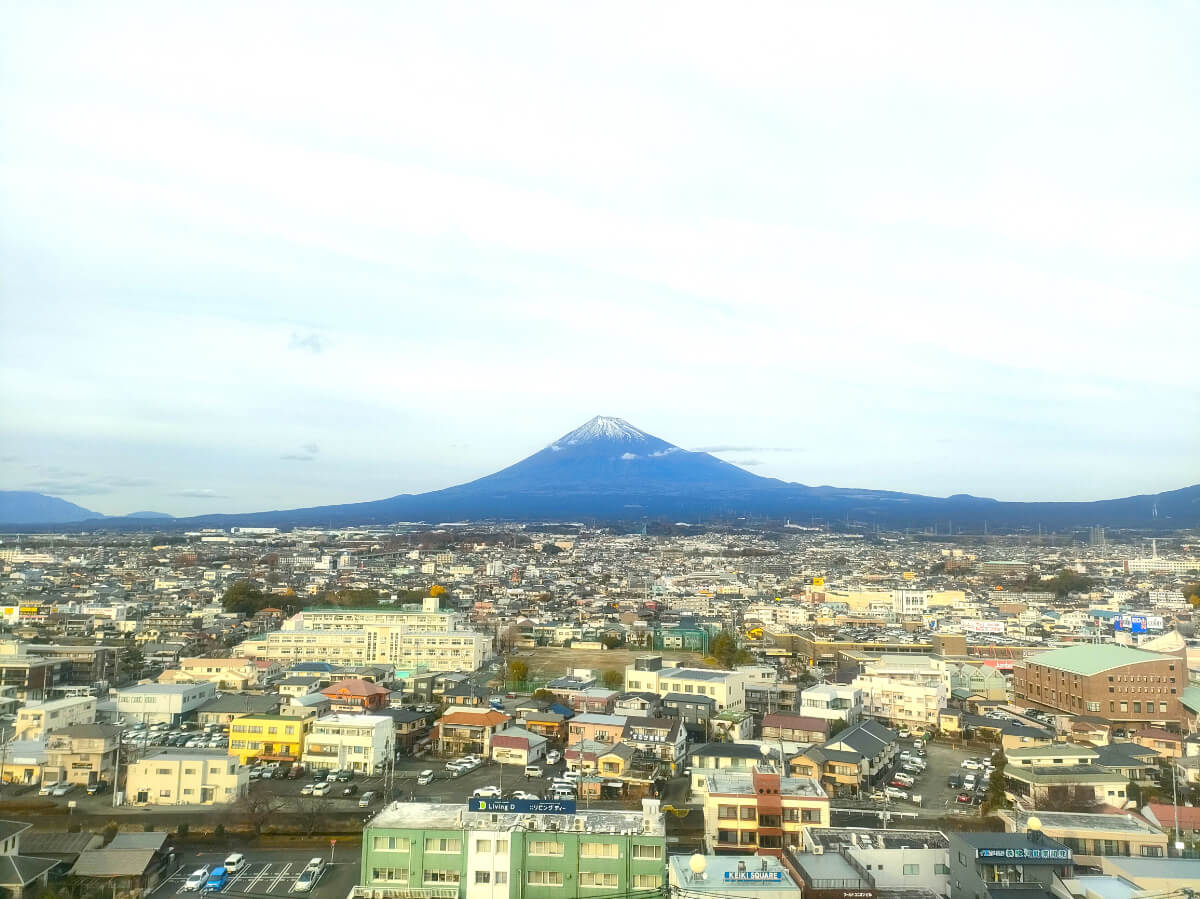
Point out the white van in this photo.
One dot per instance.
(47, 787)
(561, 792)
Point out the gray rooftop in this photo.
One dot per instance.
(1082, 821)
(742, 783)
(716, 868)
(863, 838)
(454, 815)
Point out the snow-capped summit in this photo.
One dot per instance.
(602, 427)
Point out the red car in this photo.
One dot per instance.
(964, 798)
(901, 785)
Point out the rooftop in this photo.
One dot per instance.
(729, 782)
(454, 816)
(717, 866)
(1090, 658)
(1081, 821)
(861, 838)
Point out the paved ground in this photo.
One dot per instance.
(269, 872)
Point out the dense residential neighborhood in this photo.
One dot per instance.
(501, 711)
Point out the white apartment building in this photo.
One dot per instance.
(186, 777)
(910, 602)
(727, 688)
(832, 702)
(901, 689)
(1162, 566)
(161, 703)
(357, 742)
(404, 639)
(35, 719)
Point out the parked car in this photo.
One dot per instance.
(47, 787)
(217, 879)
(456, 768)
(322, 789)
(559, 791)
(345, 775)
(488, 792)
(98, 787)
(367, 798)
(62, 789)
(425, 777)
(350, 790)
(964, 798)
(521, 794)
(196, 880)
(235, 862)
(533, 770)
(553, 757)
(296, 771)
(309, 876)
(573, 775)
(894, 793)
(954, 781)
(307, 789)
(971, 765)
(904, 733)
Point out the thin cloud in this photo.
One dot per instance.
(312, 342)
(199, 493)
(727, 448)
(746, 463)
(57, 481)
(306, 453)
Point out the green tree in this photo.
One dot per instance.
(551, 549)
(518, 670)
(130, 662)
(995, 793)
(614, 680)
(723, 648)
(1191, 592)
(244, 597)
(610, 641)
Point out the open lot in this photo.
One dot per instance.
(269, 872)
(554, 661)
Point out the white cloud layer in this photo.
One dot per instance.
(939, 248)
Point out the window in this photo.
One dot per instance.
(161, 771)
(1124, 707)
(390, 875)
(1137, 707)
(727, 811)
(645, 851)
(545, 847)
(1152, 851)
(647, 881)
(598, 850)
(483, 846)
(912, 870)
(1093, 706)
(749, 813)
(810, 815)
(483, 876)
(1162, 706)
(546, 878)
(440, 844)
(501, 877)
(440, 876)
(501, 847)
(939, 868)
(390, 844)
(596, 879)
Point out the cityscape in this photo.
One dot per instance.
(599, 451)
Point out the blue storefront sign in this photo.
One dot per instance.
(523, 806)
(752, 876)
(1063, 855)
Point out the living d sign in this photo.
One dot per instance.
(1017, 854)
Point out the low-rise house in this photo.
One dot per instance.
(84, 754)
(356, 695)
(637, 704)
(227, 674)
(1062, 775)
(35, 720)
(162, 703)
(220, 711)
(835, 702)
(891, 859)
(795, 727)
(696, 713)
(1091, 837)
(518, 746)
(1163, 742)
(131, 863)
(311, 705)
(268, 738)
(185, 777)
(409, 726)
(358, 742)
(584, 755)
(21, 875)
(601, 728)
(463, 730)
(759, 812)
(661, 740)
(298, 685)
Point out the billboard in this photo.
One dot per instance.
(1138, 624)
(752, 876)
(983, 627)
(523, 806)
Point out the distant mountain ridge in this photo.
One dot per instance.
(27, 507)
(609, 470)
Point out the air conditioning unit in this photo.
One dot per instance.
(818, 849)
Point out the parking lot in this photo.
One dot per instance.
(269, 872)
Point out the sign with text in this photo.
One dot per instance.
(1026, 854)
(523, 806)
(752, 876)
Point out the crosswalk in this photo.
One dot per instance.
(275, 877)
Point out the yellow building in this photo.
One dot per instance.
(278, 738)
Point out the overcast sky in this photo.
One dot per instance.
(272, 255)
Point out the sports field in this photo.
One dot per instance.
(547, 662)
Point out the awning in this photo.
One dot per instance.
(614, 783)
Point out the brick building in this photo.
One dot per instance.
(1123, 685)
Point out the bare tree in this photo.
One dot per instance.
(257, 808)
(312, 814)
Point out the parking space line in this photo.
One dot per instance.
(280, 876)
(262, 873)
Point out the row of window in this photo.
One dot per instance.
(789, 816)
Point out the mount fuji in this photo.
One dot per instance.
(608, 470)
